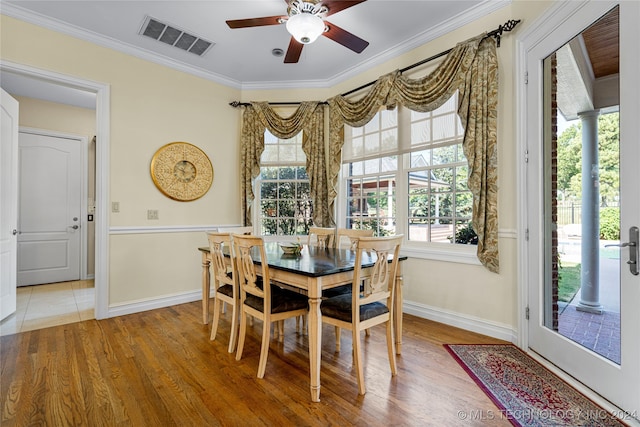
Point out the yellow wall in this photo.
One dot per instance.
(36, 113)
(152, 105)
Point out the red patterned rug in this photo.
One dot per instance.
(526, 393)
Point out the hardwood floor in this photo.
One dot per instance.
(158, 368)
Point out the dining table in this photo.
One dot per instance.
(313, 270)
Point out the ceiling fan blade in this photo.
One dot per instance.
(255, 22)
(293, 52)
(335, 6)
(345, 38)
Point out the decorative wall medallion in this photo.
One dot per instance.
(181, 171)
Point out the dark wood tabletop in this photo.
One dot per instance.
(312, 261)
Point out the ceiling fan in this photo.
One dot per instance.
(305, 21)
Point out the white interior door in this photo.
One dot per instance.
(617, 381)
(8, 205)
(49, 209)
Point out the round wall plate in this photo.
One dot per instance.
(181, 171)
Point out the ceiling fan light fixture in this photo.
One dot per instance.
(305, 27)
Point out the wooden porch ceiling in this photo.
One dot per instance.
(602, 44)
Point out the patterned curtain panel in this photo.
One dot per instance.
(478, 111)
(308, 118)
(471, 68)
(251, 148)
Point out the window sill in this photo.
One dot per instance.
(461, 254)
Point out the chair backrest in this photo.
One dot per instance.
(348, 237)
(248, 278)
(381, 283)
(217, 243)
(322, 237)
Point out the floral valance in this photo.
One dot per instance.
(470, 68)
(308, 119)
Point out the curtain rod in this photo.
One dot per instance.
(497, 33)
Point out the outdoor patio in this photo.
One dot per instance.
(597, 332)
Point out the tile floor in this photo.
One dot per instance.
(53, 304)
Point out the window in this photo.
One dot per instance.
(439, 201)
(371, 175)
(283, 188)
(411, 163)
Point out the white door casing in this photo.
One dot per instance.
(616, 383)
(103, 135)
(50, 208)
(8, 206)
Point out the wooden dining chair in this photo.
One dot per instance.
(225, 282)
(374, 304)
(348, 237)
(323, 237)
(261, 299)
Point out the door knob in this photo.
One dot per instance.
(75, 227)
(633, 249)
(621, 245)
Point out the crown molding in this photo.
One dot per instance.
(31, 17)
(483, 9)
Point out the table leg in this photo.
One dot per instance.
(398, 313)
(206, 286)
(315, 346)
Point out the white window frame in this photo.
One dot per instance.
(257, 211)
(458, 253)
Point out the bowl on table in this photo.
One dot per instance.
(290, 248)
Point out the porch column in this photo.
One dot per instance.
(590, 285)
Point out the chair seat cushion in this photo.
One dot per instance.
(226, 290)
(339, 307)
(334, 292)
(282, 301)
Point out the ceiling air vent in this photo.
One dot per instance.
(173, 36)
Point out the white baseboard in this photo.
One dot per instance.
(469, 323)
(151, 304)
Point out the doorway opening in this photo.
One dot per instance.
(100, 94)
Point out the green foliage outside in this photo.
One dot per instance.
(568, 281)
(286, 206)
(610, 223)
(466, 235)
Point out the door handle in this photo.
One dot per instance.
(75, 227)
(633, 249)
